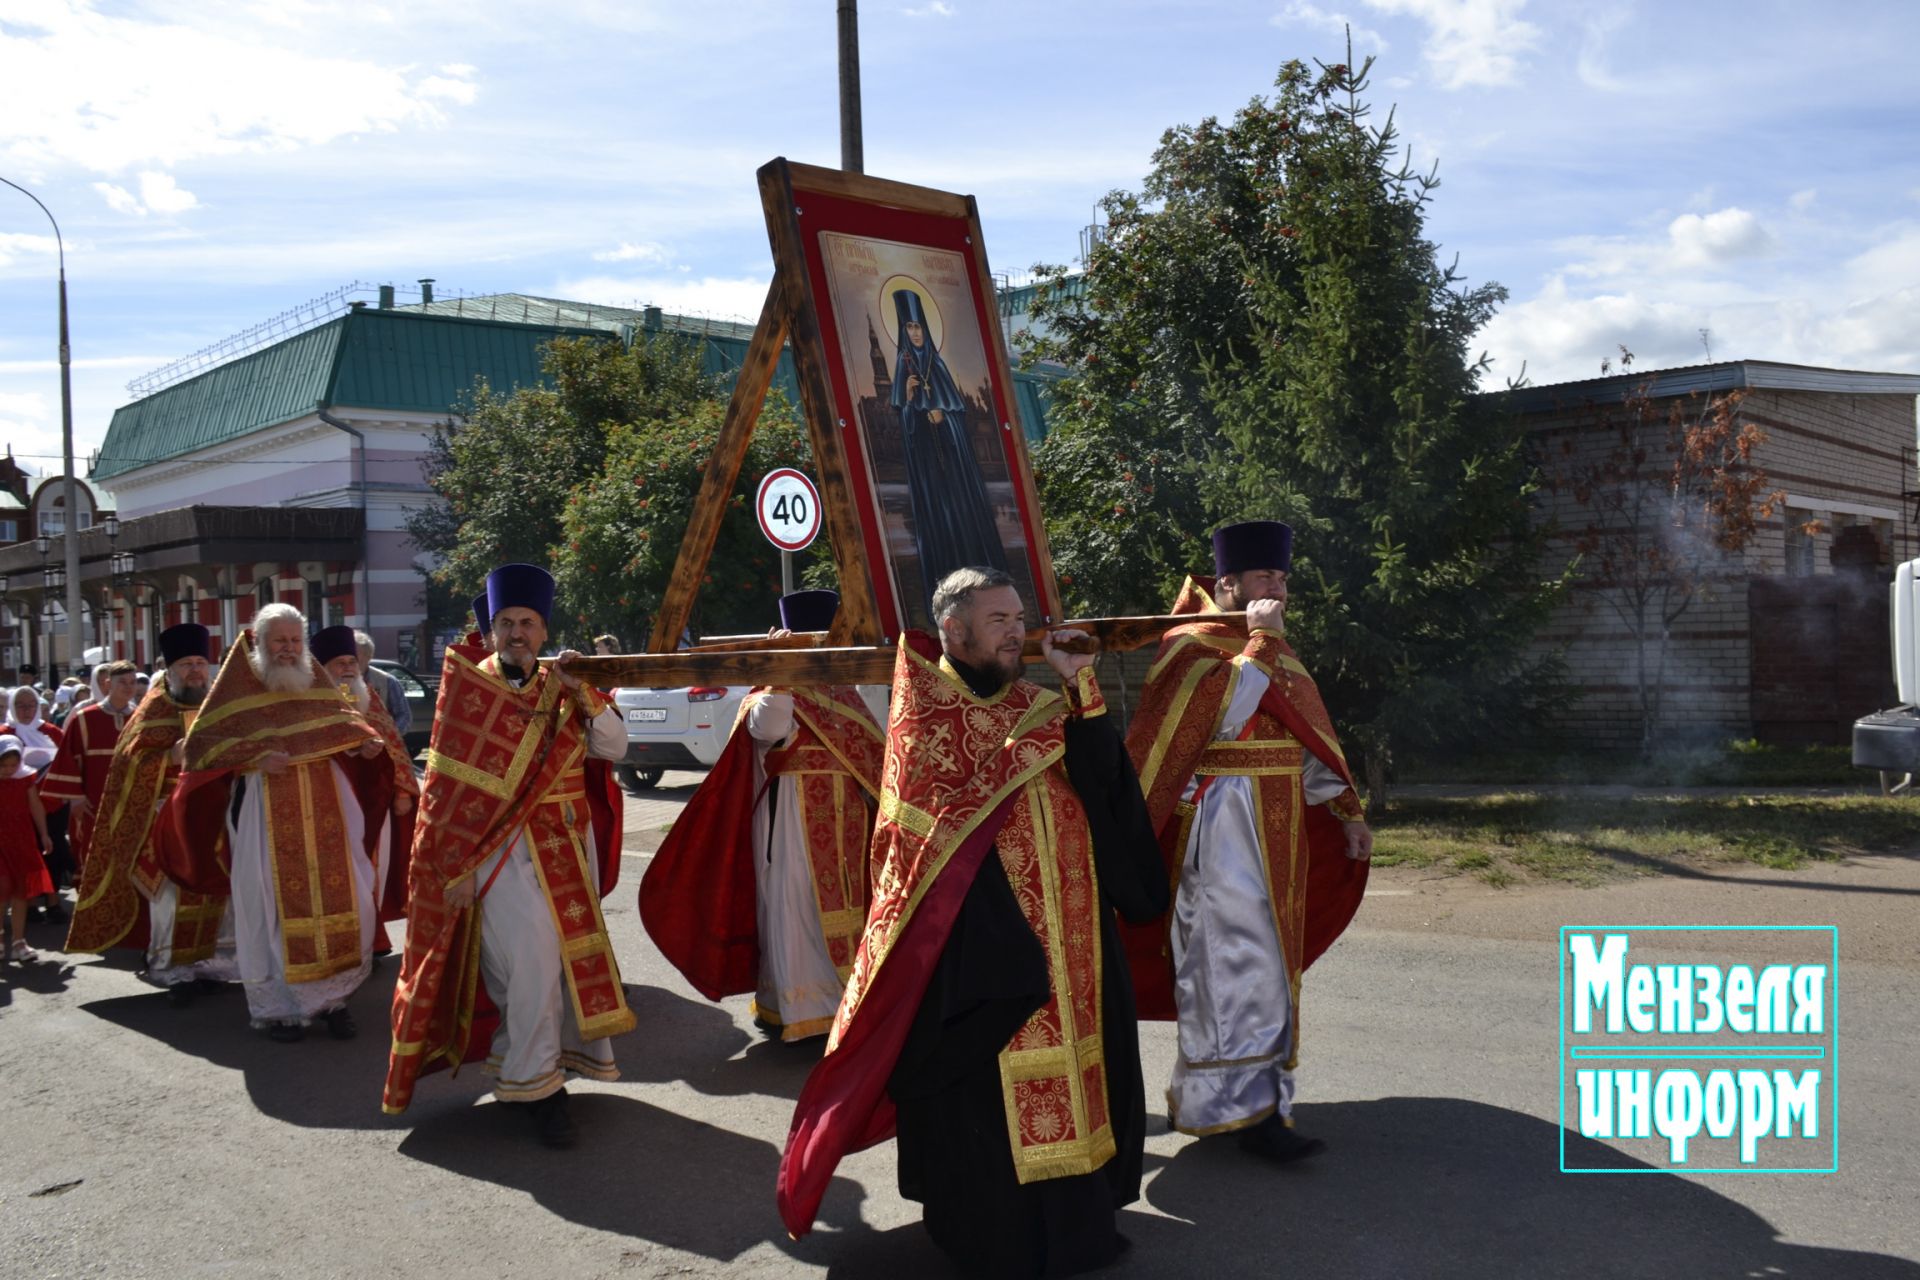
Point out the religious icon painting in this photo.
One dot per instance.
(909, 338)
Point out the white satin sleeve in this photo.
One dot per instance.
(770, 718)
(607, 735)
(1320, 783)
(1247, 692)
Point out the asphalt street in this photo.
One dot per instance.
(142, 1140)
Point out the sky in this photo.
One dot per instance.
(1634, 173)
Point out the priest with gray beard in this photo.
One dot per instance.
(283, 773)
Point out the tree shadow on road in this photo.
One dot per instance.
(697, 1042)
(318, 1083)
(638, 1171)
(1441, 1187)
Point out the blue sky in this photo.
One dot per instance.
(1632, 172)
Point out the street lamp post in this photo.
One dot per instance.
(66, 441)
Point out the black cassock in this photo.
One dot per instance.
(953, 526)
(955, 1154)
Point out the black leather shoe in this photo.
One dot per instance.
(286, 1033)
(1272, 1140)
(340, 1023)
(553, 1123)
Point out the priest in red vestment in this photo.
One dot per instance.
(126, 899)
(281, 804)
(1262, 835)
(509, 865)
(761, 885)
(989, 1020)
(78, 773)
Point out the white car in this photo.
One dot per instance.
(674, 729)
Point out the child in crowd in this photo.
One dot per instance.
(23, 844)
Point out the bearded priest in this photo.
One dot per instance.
(761, 885)
(989, 1018)
(509, 865)
(280, 799)
(188, 937)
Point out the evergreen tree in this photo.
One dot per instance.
(1268, 315)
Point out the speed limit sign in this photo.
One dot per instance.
(789, 509)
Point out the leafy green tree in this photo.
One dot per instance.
(1268, 322)
(623, 530)
(505, 471)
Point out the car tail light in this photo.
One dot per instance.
(705, 695)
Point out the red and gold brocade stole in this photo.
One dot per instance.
(122, 866)
(954, 762)
(241, 722)
(834, 759)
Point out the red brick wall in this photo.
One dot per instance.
(1822, 657)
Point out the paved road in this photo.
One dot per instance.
(140, 1140)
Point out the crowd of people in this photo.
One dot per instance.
(972, 885)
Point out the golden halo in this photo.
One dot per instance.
(889, 316)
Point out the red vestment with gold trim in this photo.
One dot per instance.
(697, 899)
(965, 775)
(79, 771)
(1315, 888)
(116, 886)
(502, 758)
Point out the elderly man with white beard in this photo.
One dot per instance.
(287, 775)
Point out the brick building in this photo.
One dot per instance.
(1788, 642)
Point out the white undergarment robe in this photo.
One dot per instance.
(256, 913)
(799, 986)
(538, 1042)
(1230, 978)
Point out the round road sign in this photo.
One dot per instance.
(789, 509)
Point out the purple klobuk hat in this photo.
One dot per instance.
(1256, 544)
(187, 640)
(809, 610)
(519, 586)
(329, 643)
(482, 619)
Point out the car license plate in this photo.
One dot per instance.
(644, 714)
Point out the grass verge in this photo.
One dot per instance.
(1524, 836)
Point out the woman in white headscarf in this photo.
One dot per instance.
(39, 740)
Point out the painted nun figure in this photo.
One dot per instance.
(952, 520)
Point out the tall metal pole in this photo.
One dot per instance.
(851, 157)
(71, 540)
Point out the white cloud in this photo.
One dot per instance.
(110, 93)
(120, 200)
(1801, 201)
(738, 298)
(935, 9)
(1724, 236)
(159, 193)
(646, 251)
(15, 244)
(1470, 43)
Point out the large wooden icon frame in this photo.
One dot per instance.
(830, 231)
(845, 244)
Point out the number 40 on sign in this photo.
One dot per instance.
(789, 509)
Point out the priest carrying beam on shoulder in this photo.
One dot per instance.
(989, 1020)
(509, 866)
(1262, 834)
(761, 885)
